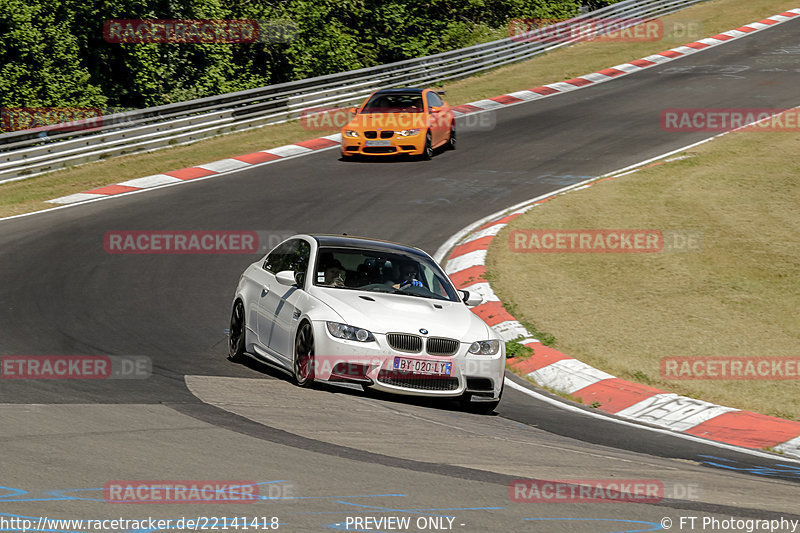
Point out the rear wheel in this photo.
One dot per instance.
(451, 142)
(236, 333)
(304, 356)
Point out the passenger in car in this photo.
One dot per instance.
(334, 273)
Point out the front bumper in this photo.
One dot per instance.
(412, 145)
(372, 365)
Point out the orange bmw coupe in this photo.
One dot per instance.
(400, 121)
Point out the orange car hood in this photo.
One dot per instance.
(387, 121)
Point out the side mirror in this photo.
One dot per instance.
(435, 109)
(286, 277)
(353, 110)
(471, 298)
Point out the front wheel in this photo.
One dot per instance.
(304, 356)
(427, 153)
(482, 408)
(236, 333)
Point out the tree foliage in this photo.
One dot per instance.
(53, 52)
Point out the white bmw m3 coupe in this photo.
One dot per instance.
(383, 315)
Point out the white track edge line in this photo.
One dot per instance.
(456, 237)
(182, 182)
(595, 414)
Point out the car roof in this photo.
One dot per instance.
(403, 90)
(348, 241)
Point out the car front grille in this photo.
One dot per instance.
(417, 381)
(385, 134)
(404, 342)
(441, 346)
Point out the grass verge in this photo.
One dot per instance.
(737, 295)
(690, 24)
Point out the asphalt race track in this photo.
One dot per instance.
(328, 454)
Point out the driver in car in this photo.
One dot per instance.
(408, 276)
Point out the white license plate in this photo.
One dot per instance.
(421, 366)
(378, 143)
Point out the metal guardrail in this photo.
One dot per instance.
(28, 153)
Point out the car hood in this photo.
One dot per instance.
(408, 314)
(387, 121)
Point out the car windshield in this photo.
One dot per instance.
(394, 103)
(382, 271)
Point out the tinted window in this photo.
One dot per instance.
(381, 271)
(291, 255)
(394, 103)
(434, 100)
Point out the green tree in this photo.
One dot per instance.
(40, 61)
(53, 52)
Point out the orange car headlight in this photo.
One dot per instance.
(408, 133)
(350, 133)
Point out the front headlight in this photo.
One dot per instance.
(350, 133)
(351, 333)
(408, 133)
(485, 347)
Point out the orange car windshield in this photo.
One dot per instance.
(394, 103)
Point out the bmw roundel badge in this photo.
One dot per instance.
(423, 331)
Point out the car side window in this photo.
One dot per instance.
(299, 256)
(291, 255)
(434, 100)
(277, 258)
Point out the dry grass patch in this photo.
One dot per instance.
(738, 296)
